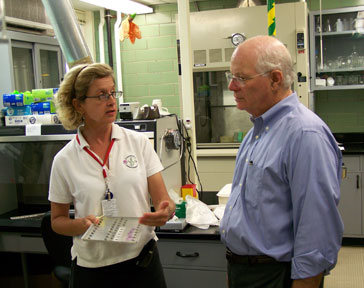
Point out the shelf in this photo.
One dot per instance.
(346, 87)
(348, 32)
(340, 70)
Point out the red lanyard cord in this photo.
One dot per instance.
(95, 157)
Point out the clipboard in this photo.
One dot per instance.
(114, 229)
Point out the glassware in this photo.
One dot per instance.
(328, 26)
(318, 26)
(339, 80)
(339, 25)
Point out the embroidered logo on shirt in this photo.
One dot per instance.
(131, 161)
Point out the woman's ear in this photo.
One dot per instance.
(77, 104)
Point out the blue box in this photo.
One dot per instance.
(41, 108)
(17, 99)
(18, 110)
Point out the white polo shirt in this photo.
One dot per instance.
(77, 178)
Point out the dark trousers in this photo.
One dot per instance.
(122, 275)
(267, 275)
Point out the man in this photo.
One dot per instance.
(281, 224)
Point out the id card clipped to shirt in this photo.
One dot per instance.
(109, 207)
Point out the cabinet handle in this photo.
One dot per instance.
(357, 181)
(344, 172)
(186, 255)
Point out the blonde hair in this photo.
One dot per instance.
(74, 86)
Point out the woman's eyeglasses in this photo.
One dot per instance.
(106, 96)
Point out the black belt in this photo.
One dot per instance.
(248, 259)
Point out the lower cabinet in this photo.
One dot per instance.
(352, 196)
(193, 263)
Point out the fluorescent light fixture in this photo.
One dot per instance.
(124, 6)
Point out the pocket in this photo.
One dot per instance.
(254, 184)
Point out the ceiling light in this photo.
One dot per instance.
(124, 6)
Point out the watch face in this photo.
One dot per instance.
(237, 38)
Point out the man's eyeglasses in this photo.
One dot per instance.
(242, 80)
(106, 96)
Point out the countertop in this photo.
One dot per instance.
(32, 225)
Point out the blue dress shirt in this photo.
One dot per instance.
(285, 191)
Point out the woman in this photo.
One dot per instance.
(105, 170)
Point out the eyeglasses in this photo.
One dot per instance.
(242, 80)
(106, 96)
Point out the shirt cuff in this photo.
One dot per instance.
(310, 264)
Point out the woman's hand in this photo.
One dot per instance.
(87, 222)
(159, 217)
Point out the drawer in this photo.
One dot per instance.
(182, 278)
(209, 255)
(27, 243)
(352, 163)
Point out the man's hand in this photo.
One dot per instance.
(313, 282)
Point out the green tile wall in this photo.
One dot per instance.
(149, 67)
(150, 70)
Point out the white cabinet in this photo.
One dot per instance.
(336, 49)
(193, 263)
(352, 196)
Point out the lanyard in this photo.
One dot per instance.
(97, 159)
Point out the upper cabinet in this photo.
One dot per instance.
(337, 49)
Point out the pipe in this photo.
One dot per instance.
(117, 54)
(68, 31)
(108, 17)
(101, 36)
(2, 20)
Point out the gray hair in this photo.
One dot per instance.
(274, 55)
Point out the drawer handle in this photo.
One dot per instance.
(186, 255)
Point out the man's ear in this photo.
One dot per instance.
(276, 79)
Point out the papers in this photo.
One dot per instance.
(114, 229)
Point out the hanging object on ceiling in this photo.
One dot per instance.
(271, 17)
(129, 29)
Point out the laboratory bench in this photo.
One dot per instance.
(190, 258)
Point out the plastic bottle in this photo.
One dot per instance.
(339, 25)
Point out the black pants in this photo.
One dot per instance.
(267, 275)
(122, 275)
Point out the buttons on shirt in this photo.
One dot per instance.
(257, 137)
(266, 128)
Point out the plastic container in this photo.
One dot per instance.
(189, 189)
(224, 193)
(181, 210)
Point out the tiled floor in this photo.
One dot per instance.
(349, 270)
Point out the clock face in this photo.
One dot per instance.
(237, 38)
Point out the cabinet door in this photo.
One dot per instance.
(336, 60)
(181, 278)
(350, 203)
(49, 65)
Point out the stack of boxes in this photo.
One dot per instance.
(26, 108)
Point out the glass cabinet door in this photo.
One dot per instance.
(49, 63)
(337, 49)
(218, 122)
(23, 66)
